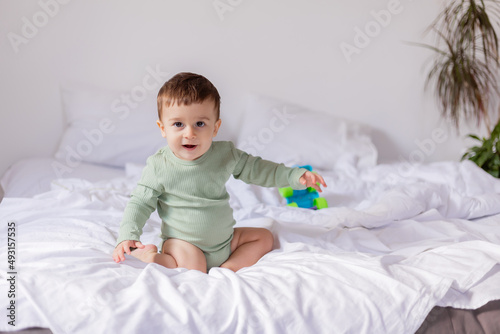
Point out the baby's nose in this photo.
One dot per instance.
(190, 133)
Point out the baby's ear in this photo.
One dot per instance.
(217, 126)
(162, 128)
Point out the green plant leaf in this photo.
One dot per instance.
(495, 162)
(465, 156)
(494, 173)
(481, 160)
(473, 137)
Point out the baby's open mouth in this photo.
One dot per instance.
(189, 146)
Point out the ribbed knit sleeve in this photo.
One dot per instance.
(141, 205)
(255, 170)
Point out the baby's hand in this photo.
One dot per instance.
(124, 247)
(310, 179)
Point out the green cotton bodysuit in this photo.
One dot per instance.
(191, 196)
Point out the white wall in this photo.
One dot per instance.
(286, 48)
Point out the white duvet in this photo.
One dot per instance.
(393, 244)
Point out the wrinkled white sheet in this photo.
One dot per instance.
(32, 176)
(394, 243)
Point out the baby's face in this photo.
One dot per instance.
(189, 129)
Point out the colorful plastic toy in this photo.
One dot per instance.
(307, 198)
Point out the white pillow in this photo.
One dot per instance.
(284, 132)
(108, 127)
(33, 176)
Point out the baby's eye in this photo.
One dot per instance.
(200, 124)
(178, 124)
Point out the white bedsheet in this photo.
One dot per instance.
(393, 245)
(29, 177)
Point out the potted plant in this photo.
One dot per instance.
(487, 155)
(464, 73)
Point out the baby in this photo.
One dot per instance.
(185, 181)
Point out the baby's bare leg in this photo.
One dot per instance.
(249, 244)
(176, 253)
(185, 254)
(149, 254)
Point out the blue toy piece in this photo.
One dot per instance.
(307, 198)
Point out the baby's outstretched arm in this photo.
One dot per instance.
(124, 247)
(310, 179)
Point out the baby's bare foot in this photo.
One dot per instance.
(145, 254)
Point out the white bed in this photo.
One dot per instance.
(396, 241)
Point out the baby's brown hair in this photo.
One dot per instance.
(186, 88)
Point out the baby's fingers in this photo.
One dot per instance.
(315, 186)
(139, 244)
(315, 179)
(118, 255)
(126, 249)
(321, 180)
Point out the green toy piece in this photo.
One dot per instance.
(307, 198)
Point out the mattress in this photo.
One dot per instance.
(392, 248)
